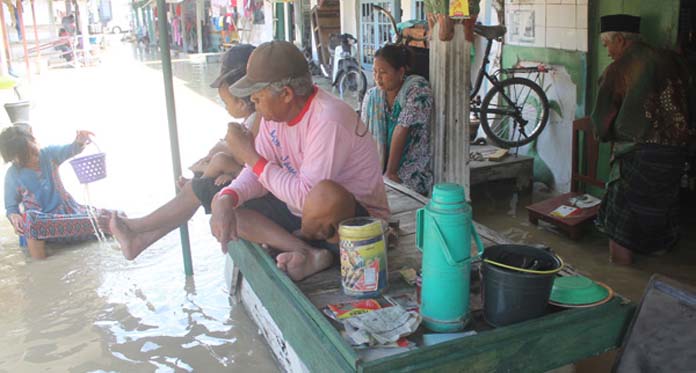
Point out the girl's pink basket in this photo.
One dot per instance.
(90, 167)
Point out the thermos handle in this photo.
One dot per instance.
(477, 239)
(446, 251)
(419, 229)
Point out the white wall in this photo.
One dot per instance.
(408, 10)
(349, 17)
(553, 24)
(560, 24)
(258, 33)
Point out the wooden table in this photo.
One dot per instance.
(303, 339)
(517, 167)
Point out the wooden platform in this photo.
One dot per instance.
(573, 225)
(304, 339)
(517, 167)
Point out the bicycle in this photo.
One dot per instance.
(343, 69)
(515, 110)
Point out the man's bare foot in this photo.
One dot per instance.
(131, 244)
(181, 182)
(301, 264)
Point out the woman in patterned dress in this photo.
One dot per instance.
(37, 204)
(397, 112)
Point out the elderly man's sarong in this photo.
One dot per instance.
(640, 210)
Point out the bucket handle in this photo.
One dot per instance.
(91, 142)
(547, 272)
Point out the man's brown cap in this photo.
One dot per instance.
(270, 62)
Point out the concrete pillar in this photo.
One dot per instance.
(51, 20)
(299, 23)
(450, 78)
(84, 28)
(151, 25)
(199, 28)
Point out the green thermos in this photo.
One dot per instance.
(443, 233)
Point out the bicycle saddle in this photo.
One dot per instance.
(490, 32)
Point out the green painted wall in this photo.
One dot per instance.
(574, 62)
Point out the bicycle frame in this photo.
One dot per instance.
(482, 73)
(492, 78)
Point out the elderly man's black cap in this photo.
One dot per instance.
(234, 63)
(620, 23)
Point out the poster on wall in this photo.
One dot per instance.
(521, 27)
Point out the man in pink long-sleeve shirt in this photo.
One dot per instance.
(313, 164)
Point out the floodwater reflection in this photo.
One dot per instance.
(86, 308)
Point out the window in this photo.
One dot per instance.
(375, 29)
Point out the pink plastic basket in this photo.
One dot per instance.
(90, 167)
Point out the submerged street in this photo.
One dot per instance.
(86, 308)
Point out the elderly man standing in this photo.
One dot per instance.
(313, 165)
(642, 110)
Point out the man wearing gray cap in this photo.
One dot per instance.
(313, 164)
(642, 110)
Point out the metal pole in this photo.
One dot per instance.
(5, 38)
(36, 37)
(20, 16)
(171, 116)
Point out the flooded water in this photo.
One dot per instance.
(498, 206)
(86, 308)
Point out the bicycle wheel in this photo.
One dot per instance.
(515, 112)
(352, 84)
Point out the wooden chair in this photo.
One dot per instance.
(582, 175)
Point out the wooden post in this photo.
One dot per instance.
(20, 16)
(36, 37)
(5, 38)
(450, 66)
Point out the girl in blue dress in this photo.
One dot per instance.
(37, 204)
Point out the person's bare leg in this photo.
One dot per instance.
(181, 182)
(37, 248)
(222, 163)
(136, 235)
(305, 259)
(619, 254)
(134, 243)
(170, 215)
(326, 205)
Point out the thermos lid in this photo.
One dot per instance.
(448, 198)
(448, 193)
